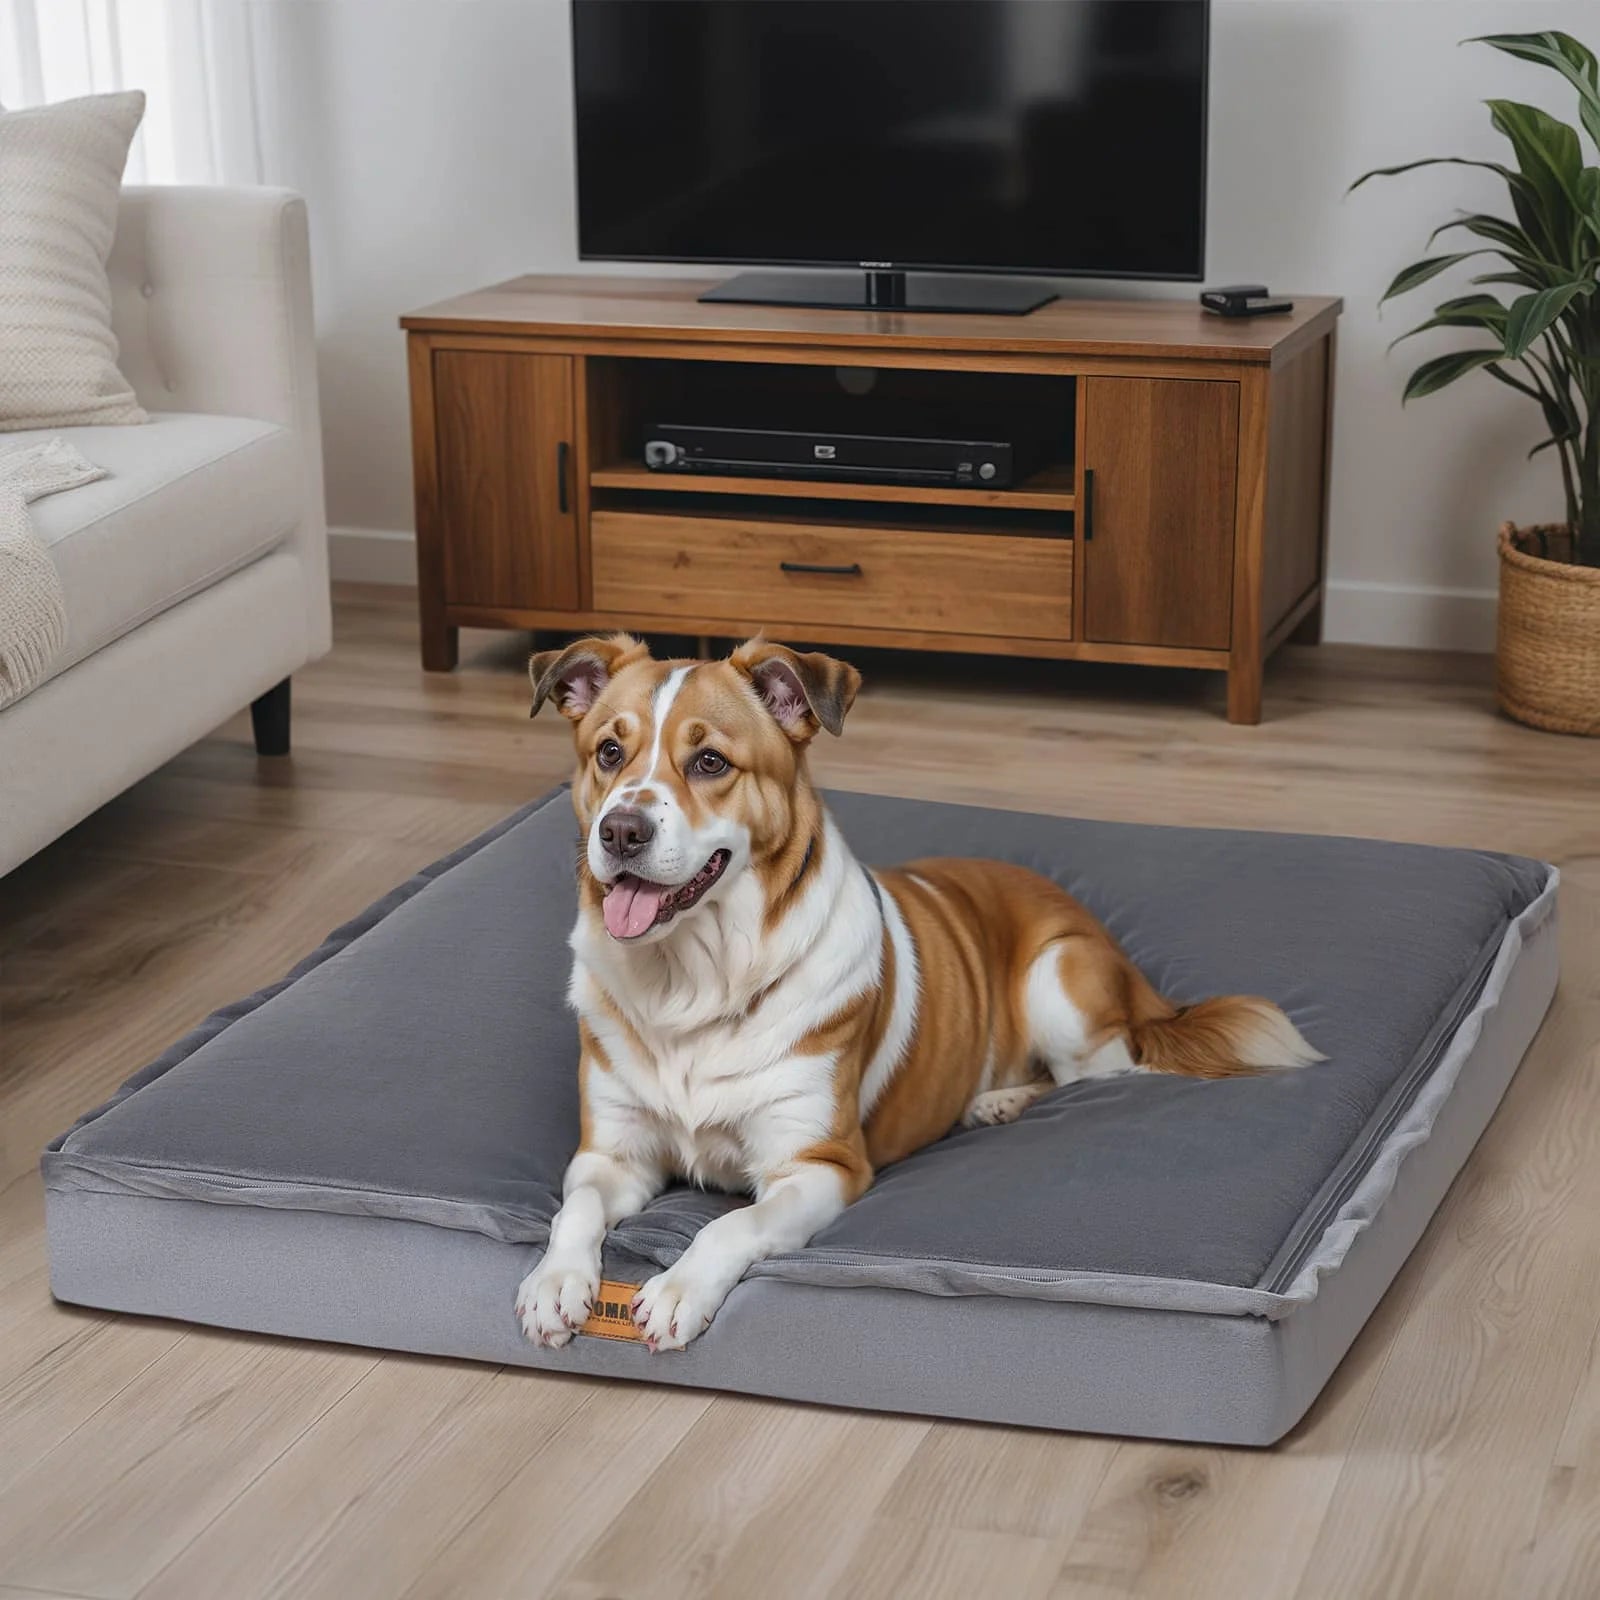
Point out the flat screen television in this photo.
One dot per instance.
(1043, 137)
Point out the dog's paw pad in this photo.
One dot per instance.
(998, 1106)
(673, 1309)
(553, 1302)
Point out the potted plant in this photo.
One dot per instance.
(1540, 337)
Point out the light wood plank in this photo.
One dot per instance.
(752, 1490)
(570, 1487)
(58, 1365)
(380, 1483)
(63, 1368)
(1564, 1556)
(115, 1501)
(998, 1480)
(21, 1231)
(897, 1559)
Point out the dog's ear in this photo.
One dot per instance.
(803, 692)
(576, 677)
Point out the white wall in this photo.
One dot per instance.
(433, 140)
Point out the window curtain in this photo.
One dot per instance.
(194, 59)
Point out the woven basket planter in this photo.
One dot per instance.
(1547, 660)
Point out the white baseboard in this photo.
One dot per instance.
(1409, 616)
(373, 555)
(1406, 616)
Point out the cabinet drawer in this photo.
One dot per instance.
(976, 583)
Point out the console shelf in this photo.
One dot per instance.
(1180, 521)
(1051, 489)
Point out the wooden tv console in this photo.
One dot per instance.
(1175, 512)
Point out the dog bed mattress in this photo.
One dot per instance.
(371, 1150)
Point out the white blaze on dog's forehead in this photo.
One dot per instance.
(660, 704)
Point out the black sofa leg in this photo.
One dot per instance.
(269, 718)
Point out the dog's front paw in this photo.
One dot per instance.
(676, 1306)
(555, 1299)
(996, 1107)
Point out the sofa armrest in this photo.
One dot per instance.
(211, 305)
(211, 302)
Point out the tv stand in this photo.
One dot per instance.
(1174, 511)
(884, 290)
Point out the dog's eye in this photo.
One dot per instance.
(609, 754)
(708, 764)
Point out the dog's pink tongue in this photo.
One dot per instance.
(630, 907)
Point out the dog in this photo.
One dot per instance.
(759, 1012)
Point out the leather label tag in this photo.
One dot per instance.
(612, 1316)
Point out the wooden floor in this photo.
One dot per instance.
(1456, 1453)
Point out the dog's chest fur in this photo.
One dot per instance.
(704, 1035)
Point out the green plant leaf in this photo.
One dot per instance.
(1560, 51)
(1533, 313)
(1433, 375)
(1408, 278)
(1589, 199)
(1466, 311)
(1433, 161)
(1555, 419)
(1550, 48)
(1524, 197)
(1497, 371)
(1483, 308)
(1513, 243)
(1471, 302)
(1548, 444)
(1521, 279)
(1555, 396)
(1503, 233)
(1549, 158)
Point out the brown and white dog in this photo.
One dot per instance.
(759, 1012)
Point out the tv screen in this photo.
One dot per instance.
(1055, 137)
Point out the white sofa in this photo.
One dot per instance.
(196, 574)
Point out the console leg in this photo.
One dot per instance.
(269, 720)
(440, 647)
(1244, 691)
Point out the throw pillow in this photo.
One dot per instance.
(60, 180)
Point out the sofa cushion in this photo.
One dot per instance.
(189, 499)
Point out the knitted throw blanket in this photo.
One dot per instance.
(33, 612)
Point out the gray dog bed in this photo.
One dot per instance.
(371, 1151)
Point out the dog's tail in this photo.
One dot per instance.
(1221, 1038)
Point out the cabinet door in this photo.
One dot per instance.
(506, 495)
(1158, 561)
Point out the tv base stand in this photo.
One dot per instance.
(883, 291)
(1173, 511)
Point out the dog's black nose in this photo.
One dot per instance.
(626, 831)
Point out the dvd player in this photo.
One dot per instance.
(858, 457)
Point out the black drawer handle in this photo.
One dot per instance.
(853, 570)
(563, 450)
(1088, 502)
